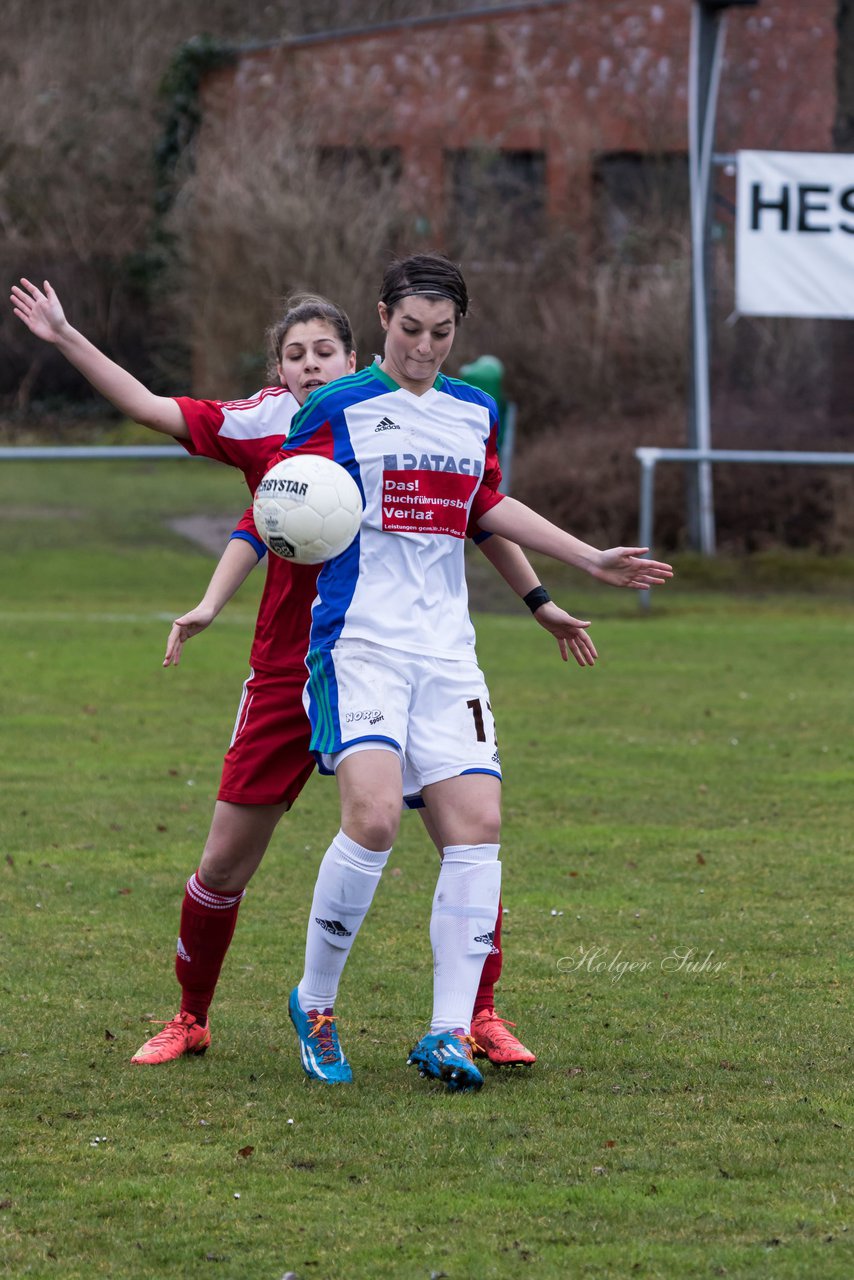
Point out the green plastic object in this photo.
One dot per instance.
(487, 373)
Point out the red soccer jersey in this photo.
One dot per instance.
(247, 434)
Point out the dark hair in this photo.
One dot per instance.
(300, 308)
(430, 275)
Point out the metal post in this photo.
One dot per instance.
(646, 517)
(508, 446)
(706, 53)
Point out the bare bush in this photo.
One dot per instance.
(265, 217)
(81, 123)
(594, 334)
(583, 474)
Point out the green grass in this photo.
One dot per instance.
(690, 795)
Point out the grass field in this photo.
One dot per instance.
(678, 943)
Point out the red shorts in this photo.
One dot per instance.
(269, 761)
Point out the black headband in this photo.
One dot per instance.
(424, 289)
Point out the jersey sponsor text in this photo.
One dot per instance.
(432, 462)
(426, 502)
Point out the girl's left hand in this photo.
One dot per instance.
(570, 633)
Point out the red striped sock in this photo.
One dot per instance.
(485, 998)
(207, 926)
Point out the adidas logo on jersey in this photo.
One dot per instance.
(183, 953)
(334, 927)
(386, 424)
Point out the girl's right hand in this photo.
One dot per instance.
(628, 567)
(41, 312)
(183, 629)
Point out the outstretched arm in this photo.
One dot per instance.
(235, 564)
(42, 313)
(619, 566)
(511, 562)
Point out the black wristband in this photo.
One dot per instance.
(536, 597)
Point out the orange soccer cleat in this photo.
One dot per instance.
(182, 1035)
(495, 1042)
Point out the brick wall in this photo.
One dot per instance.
(570, 81)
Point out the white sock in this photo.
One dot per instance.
(343, 892)
(461, 930)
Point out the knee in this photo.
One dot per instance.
(490, 825)
(371, 821)
(483, 819)
(222, 875)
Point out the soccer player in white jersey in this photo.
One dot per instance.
(396, 699)
(268, 761)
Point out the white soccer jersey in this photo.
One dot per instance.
(424, 464)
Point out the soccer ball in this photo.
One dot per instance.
(307, 509)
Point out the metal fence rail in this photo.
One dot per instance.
(649, 459)
(88, 452)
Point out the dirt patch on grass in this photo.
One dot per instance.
(211, 533)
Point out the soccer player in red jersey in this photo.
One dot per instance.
(268, 761)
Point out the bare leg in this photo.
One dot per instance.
(236, 843)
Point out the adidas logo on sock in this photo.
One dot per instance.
(183, 953)
(333, 926)
(487, 937)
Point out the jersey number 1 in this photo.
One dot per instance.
(476, 709)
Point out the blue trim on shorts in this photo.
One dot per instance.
(416, 800)
(342, 746)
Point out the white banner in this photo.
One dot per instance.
(794, 248)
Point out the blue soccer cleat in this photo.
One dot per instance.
(319, 1049)
(447, 1056)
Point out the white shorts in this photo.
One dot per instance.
(434, 712)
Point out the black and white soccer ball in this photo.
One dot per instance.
(307, 509)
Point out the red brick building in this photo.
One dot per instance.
(554, 104)
(560, 82)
